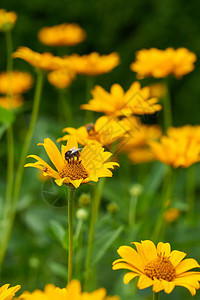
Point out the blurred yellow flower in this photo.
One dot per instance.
(45, 61)
(161, 63)
(62, 35)
(61, 78)
(171, 214)
(7, 20)
(119, 103)
(105, 131)
(158, 90)
(93, 64)
(16, 82)
(158, 267)
(7, 293)
(140, 155)
(11, 102)
(180, 148)
(88, 165)
(71, 292)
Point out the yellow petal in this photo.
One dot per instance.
(73, 290)
(76, 183)
(144, 282)
(132, 257)
(53, 153)
(186, 264)
(129, 276)
(164, 248)
(168, 286)
(147, 250)
(176, 256)
(125, 266)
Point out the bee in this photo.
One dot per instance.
(89, 127)
(71, 154)
(45, 169)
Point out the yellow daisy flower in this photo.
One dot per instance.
(7, 20)
(62, 35)
(88, 165)
(72, 291)
(93, 64)
(105, 131)
(61, 78)
(16, 82)
(45, 61)
(180, 148)
(7, 293)
(158, 267)
(119, 103)
(161, 63)
(13, 102)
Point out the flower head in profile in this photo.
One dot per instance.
(118, 103)
(105, 131)
(16, 82)
(158, 267)
(12, 102)
(74, 167)
(7, 20)
(62, 35)
(161, 63)
(71, 292)
(45, 61)
(93, 64)
(7, 293)
(180, 148)
(61, 78)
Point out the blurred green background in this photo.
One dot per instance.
(35, 257)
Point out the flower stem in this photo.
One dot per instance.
(90, 243)
(98, 194)
(71, 192)
(169, 182)
(155, 296)
(190, 191)
(167, 111)
(17, 185)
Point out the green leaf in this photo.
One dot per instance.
(6, 116)
(58, 270)
(104, 244)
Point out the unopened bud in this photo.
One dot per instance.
(136, 190)
(112, 207)
(82, 214)
(84, 199)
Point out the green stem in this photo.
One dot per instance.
(17, 185)
(169, 182)
(190, 191)
(89, 87)
(98, 194)
(90, 243)
(167, 111)
(9, 47)
(132, 210)
(71, 192)
(155, 296)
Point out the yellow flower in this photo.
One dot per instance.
(140, 155)
(62, 35)
(171, 214)
(158, 267)
(71, 292)
(45, 61)
(119, 103)
(7, 20)
(158, 90)
(16, 82)
(105, 131)
(93, 64)
(89, 165)
(61, 78)
(7, 293)
(11, 102)
(180, 148)
(161, 63)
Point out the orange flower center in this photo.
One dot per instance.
(160, 268)
(74, 170)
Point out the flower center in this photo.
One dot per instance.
(74, 170)
(160, 268)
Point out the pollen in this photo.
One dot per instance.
(74, 170)
(160, 268)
